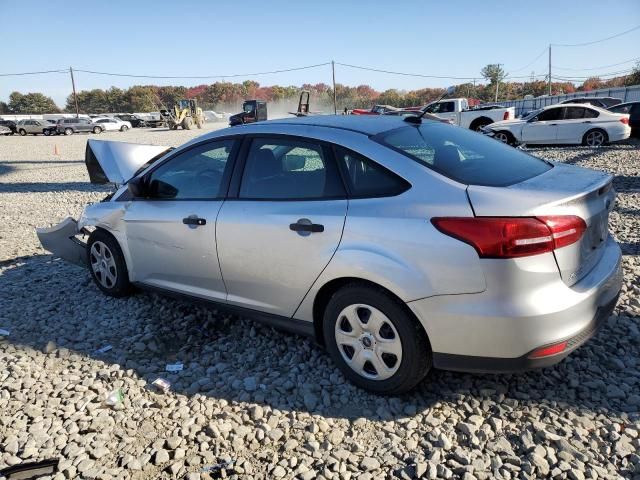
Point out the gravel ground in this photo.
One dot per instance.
(255, 403)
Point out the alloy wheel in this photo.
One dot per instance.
(368, 342)
(502, 137)
(595, 139)
(103, 264)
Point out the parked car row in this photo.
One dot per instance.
(63, 126)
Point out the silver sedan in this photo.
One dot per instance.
(400, 245)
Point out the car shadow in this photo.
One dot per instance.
(51, 187)
(232, 358)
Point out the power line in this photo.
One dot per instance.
(31, 73)
(111, 74)
(580, 79)
(406, 74)
(595, 41)
(598, 68)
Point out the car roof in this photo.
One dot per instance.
(365, 124)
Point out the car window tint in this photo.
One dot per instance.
(551, 114)
(195, 174)
(591, 113)
(463, 155)
(621, 109)
(288, 169)
(367, 178)
(573, 113)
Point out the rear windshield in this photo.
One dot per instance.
(463, 155)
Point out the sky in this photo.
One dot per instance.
(208, 38)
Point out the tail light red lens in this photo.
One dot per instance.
(625, 120)
(549, 350)
(511, 237)
(506, 115)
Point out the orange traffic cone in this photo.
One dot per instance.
(55, 149)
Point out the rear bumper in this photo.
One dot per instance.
(497, 330)
(62, 240)
(468, 363)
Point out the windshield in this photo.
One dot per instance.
(462, 155)
(530, 115)
(248, 107)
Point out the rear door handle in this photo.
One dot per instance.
(305, 225)
(193, 220)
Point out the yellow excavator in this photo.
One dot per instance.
(183, 114)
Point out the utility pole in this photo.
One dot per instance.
(549, 69)
(498, 82)
(75, 97)
(333, 72)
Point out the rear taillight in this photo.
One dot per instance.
(511, 237)
(549, 350)
(625, 120)
(506, 115)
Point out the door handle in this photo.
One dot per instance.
(305, 225)
(193, 220)
(553, 124)
(587, 121)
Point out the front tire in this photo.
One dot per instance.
(504, 137)
(97, 130)
(68, 131)
(22, 132)
(124, 128)
(375, 341)
(107, 265)
(595, 138)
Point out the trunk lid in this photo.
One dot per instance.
(562, 190)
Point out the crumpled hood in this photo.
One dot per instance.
(109, 161)
(506, 123)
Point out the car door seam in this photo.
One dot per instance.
(344, 222)
(215, 233)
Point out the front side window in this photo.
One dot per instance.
(550, 114)
(573, 113)
(289, 169)
(367, 178)
(196, 174)
(463, 155)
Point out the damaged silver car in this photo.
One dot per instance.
(399, 245)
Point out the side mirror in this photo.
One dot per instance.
(531, 120)
(135, 187)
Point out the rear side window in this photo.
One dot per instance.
(366, 178)
(462, 155)
(289, 169)
(590, 113)
(573, 113)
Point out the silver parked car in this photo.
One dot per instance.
(35, 127)
(401, 245)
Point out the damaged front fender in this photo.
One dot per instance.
(63, 241)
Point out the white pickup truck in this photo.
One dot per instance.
(457, 111)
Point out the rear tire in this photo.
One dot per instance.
(124, 128)
(375, 341)
(107, 265)
(46, 133)
(97, 130)
(595, 138)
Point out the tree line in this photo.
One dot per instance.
(228, 96)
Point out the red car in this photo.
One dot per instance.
(376, 110)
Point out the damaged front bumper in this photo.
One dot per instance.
(66, 241)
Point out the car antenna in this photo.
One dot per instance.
(417, 119)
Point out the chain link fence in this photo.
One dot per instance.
(626, 94)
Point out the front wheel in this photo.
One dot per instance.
(97, 130)
(22, 132)
(107, 265)
(504, 137)
(68, 131)
(124, 128)
(595, 138)
(375, 341)
(46, 133)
